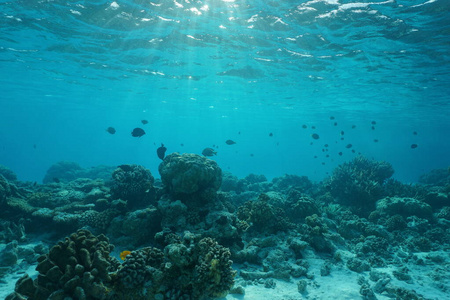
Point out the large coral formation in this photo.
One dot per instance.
(77, 267)
(360, 182)
(81, 267)
(132, 183)
(190, 174)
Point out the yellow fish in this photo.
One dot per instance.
(124, 254)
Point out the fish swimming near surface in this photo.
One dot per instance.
(161, 151)
(144, 122)
(111, 130)
(124, 254)
(315, 136)
(138, 132)
(209, 152)
(230, 142)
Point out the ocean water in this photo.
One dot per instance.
(203, 72)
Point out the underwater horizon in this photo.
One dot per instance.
(204, 72)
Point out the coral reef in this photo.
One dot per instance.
(7, 173)
(78, 266)
(66, 171)
(190, 174)
(132, 183)
(359, 183)
(81, 267)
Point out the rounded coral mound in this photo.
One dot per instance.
(189, 174)
(131, 183)
(78, 266)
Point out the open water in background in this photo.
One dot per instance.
(201, 72)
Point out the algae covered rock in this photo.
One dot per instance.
(187, 174)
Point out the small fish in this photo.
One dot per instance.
(353, 151)
(375, 140)
(124, 254)
(326, 145)
(315, 136)
(313, 127)
(239, 132)
(271, 134)
(34, 146)
(161, 151)
(111, 130)
(331, 118)
(414, 146)
(144, 122)
(348, 146)
(138, 132)
(304, 126)
(415, 132)
(373, 127)
(209, 152)
(353, 126)
(340, 153)
(374, 123)
(230, 142)
(251, 154)
(342, 132)
(335, 124)
(181, 144)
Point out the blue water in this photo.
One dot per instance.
(202, 72)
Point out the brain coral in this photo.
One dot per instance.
(189, 173)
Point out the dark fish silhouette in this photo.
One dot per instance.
(415, 132)
(374, 123)
(138, 132)
(340, 153)
(375, 140)
(161, 151)
(304, 126)
(111, 130)
(348, 146)
(271, 134)
(331, 118)
(144, 122)
(353, 126)
(209, 152)
(315, 136)
(230, 142)
(414, 146)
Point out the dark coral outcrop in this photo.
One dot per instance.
(77, 267)
(359, 183)
(188, 174)
(132, 183)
